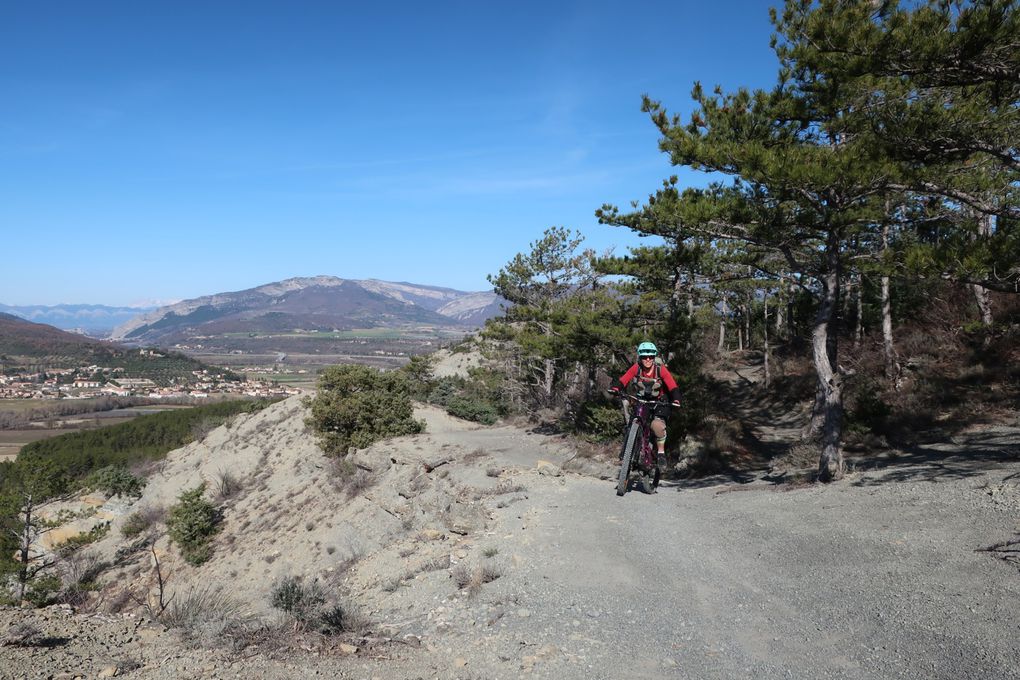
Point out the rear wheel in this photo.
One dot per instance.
(629, 450)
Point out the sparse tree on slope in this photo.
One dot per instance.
(555, 306)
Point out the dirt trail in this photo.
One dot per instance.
(876, 576)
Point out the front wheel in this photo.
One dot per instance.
(629, 449)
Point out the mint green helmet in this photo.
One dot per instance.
(647, 349)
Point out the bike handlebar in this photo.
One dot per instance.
(631, 397)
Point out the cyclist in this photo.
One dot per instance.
(648, 377)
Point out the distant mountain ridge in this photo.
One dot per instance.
(311, 303)
(20, 337)
(25, 345)
(95, 320)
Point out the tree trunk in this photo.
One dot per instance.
(722, 327)
(779, 308)
(824, 353)
(747, 325)
(765, 331)
(690, 319)
(892, 364)
(981, 293)
(859, 322)
(548, 378)
(984, 306)
(23, 550)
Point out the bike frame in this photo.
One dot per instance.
(643, 412)
(637, 448)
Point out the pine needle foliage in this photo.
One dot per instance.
(191, 525)
(356, 406)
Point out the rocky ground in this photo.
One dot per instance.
(473, 552)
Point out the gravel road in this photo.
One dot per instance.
(843, 582)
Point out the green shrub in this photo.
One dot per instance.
(308, 604)
(43, 589)
(75, 543)
(192, 524)
(478, 398)
(136, 523)
(301, 601)
(475, 409)
(358, 405)
(601, 423)
(869, 414)
(420, 377)
(444, 389)
(115, 480)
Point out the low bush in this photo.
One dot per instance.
(473, 409)
(43, 589)
(24, 634)
(349, 478)
(600, 422)
(478, 398)
(115, 480)
(207, 616)
(869, 413)
(296, 598)
(140, 520)
(227, 485)
(75, 543)
(310, 608)
(358, 405)
(473, 578)
(192, 524)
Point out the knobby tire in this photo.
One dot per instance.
(628, 456)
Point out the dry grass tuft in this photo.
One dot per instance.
(23, 634)
(348, 478)
(206, 617)
(228, 485)
(472, 579)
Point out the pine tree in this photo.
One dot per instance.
(560, 317)
(936, 89)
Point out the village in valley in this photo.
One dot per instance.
(87, 382)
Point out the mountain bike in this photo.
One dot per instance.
(638, 452)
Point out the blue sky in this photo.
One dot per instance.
(161, 151)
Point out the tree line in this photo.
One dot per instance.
(885, 159)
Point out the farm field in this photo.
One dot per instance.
(22, 405)
(288, 372)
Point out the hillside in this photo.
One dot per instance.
(322, 303)
(462, 554)
(26, 345)
(95, 320)
(21, 338)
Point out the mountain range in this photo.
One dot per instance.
(323, 303)
(94, 320)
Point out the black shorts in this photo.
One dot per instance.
(662, 411)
